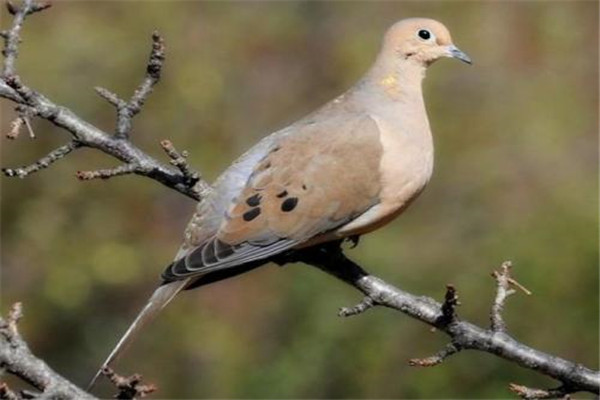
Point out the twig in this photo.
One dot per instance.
(17, 359)
(525, 392)
(126, 110)
(22, 119)
(107, 173)
(435, 359)
(503, 290)
(84, 133)
(361, 307)
(130, 387)
(12, 36)
(43, 162)
(449, 305)
(28, 126)
(15, 128)
(464, 335)
(179, 160)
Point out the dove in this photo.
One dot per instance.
(342, 171)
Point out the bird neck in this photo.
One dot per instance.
(397, 80)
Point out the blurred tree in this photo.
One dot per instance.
(516, 177)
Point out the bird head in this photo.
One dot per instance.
(421, 40)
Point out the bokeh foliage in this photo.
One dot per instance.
(516, 178)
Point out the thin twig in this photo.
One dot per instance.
(153, 72)
(361, 307)
(525, 392)
(503, 290)
(124, 169)
(179, 160)
(15, 128)
(449, 305)
(43, 162)
(24, 113)
(435, 359)
(130, 387)
(126, 110)
(28, 126)
(12, 36)
(111, 97)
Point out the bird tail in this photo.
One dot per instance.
(159, 299)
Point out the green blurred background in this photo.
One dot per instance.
(516, 178)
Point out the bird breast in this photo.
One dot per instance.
(405, 168)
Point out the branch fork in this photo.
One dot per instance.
(17, 359)
(504, 289)
(33, 104)
(463, 335)
(130, 387)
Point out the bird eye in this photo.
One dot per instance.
(424, 34)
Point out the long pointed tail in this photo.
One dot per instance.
(159, 299)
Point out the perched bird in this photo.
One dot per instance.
(346, 169)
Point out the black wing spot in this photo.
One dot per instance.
(253, 201)
(282, 194)
(250, 215)
(265, 165)
(304, 187)
(289, 204)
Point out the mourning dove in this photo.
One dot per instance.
(346, 169)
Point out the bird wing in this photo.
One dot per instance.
(313, 179)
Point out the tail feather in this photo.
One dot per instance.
(159, 299)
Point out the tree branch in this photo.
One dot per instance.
(17, 359)
(43, 162)
(463, 335)
(130, 387)
(85, 134)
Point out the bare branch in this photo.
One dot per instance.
(43, 162)
(153, 72)
(130, 387)
(464, 335)
(84, 133)
(17, 359)
(12, 36)
(126, 110)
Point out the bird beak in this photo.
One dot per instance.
(455, 52)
